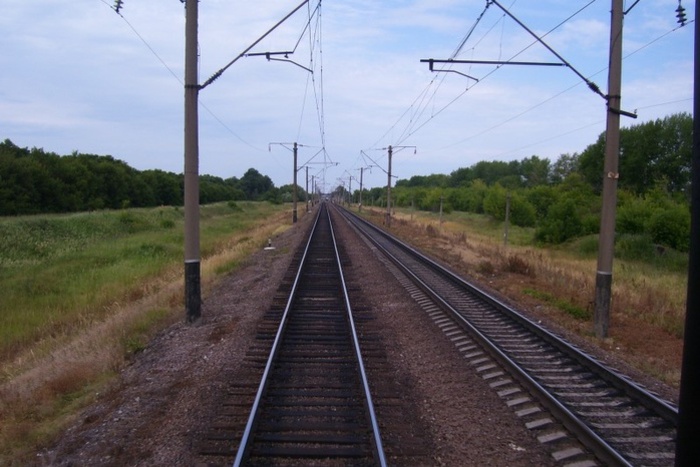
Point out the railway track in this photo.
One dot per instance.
(588, 413)
(313, 405)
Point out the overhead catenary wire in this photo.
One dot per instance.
(414, 125)
(221, 71)
(418, 126)
(558, 94)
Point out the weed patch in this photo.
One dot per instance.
(563, 305)
(486, 268)
(518, 265)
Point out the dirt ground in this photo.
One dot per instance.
(163, 403)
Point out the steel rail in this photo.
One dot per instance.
(244, 443)
(379, 450)
(369, 407)
(651, 401)
(585, 434)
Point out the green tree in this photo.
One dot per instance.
(254, 184)
(654, 151)
(564, 165)
(534, 171)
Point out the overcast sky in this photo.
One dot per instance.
(76, 76)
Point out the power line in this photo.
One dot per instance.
(414, 126)
(415, 129)
(510, 119)
(153, 51)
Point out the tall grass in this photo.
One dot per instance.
(59, 272)
(85, 292)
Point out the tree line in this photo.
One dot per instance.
(562, 199)
(34, 181)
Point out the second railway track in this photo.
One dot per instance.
(618, 421)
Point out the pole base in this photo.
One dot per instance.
(193, 295)
(603, 297)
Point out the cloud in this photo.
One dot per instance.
(78, 76)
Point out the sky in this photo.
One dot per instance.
(77, 76)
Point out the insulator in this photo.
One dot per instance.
(680, 14)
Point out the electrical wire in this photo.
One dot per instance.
(411, 130)
(578, 83)
(202, 104)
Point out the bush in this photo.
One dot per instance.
(671, 227)
(635, 247)
(587, 246)
(522, 212)
(561, 224)
(632, 216)
(541, 198)
(518, 265)
(495, 202)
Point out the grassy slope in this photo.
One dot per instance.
(83, 292)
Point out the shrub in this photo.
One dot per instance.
(486, 268)
(562, 223)
(541, 198)
(671, 227)
(234, 206)
(518, 265)
(635, 247)
(522, 212)
(632, 216)
(431, 231)
(587, 246)
(495, 202)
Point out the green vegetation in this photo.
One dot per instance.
(560, 201)
(563, 305)
(84, 293)
(33, 181)
(58, 271)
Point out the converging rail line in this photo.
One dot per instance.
(313, 403)
(547, 381)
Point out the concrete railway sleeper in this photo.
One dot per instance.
(557, 389)
(313, 402)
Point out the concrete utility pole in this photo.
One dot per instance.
(307, 188)
(295, 195)
(294, 188)
(603, 283)
(505, 227)
(388, 191)
(687, 446)
(362, 169)
(193, 297)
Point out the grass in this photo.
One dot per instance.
(59, 271)
(84, 293)
(649, 282)
(563, 305)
